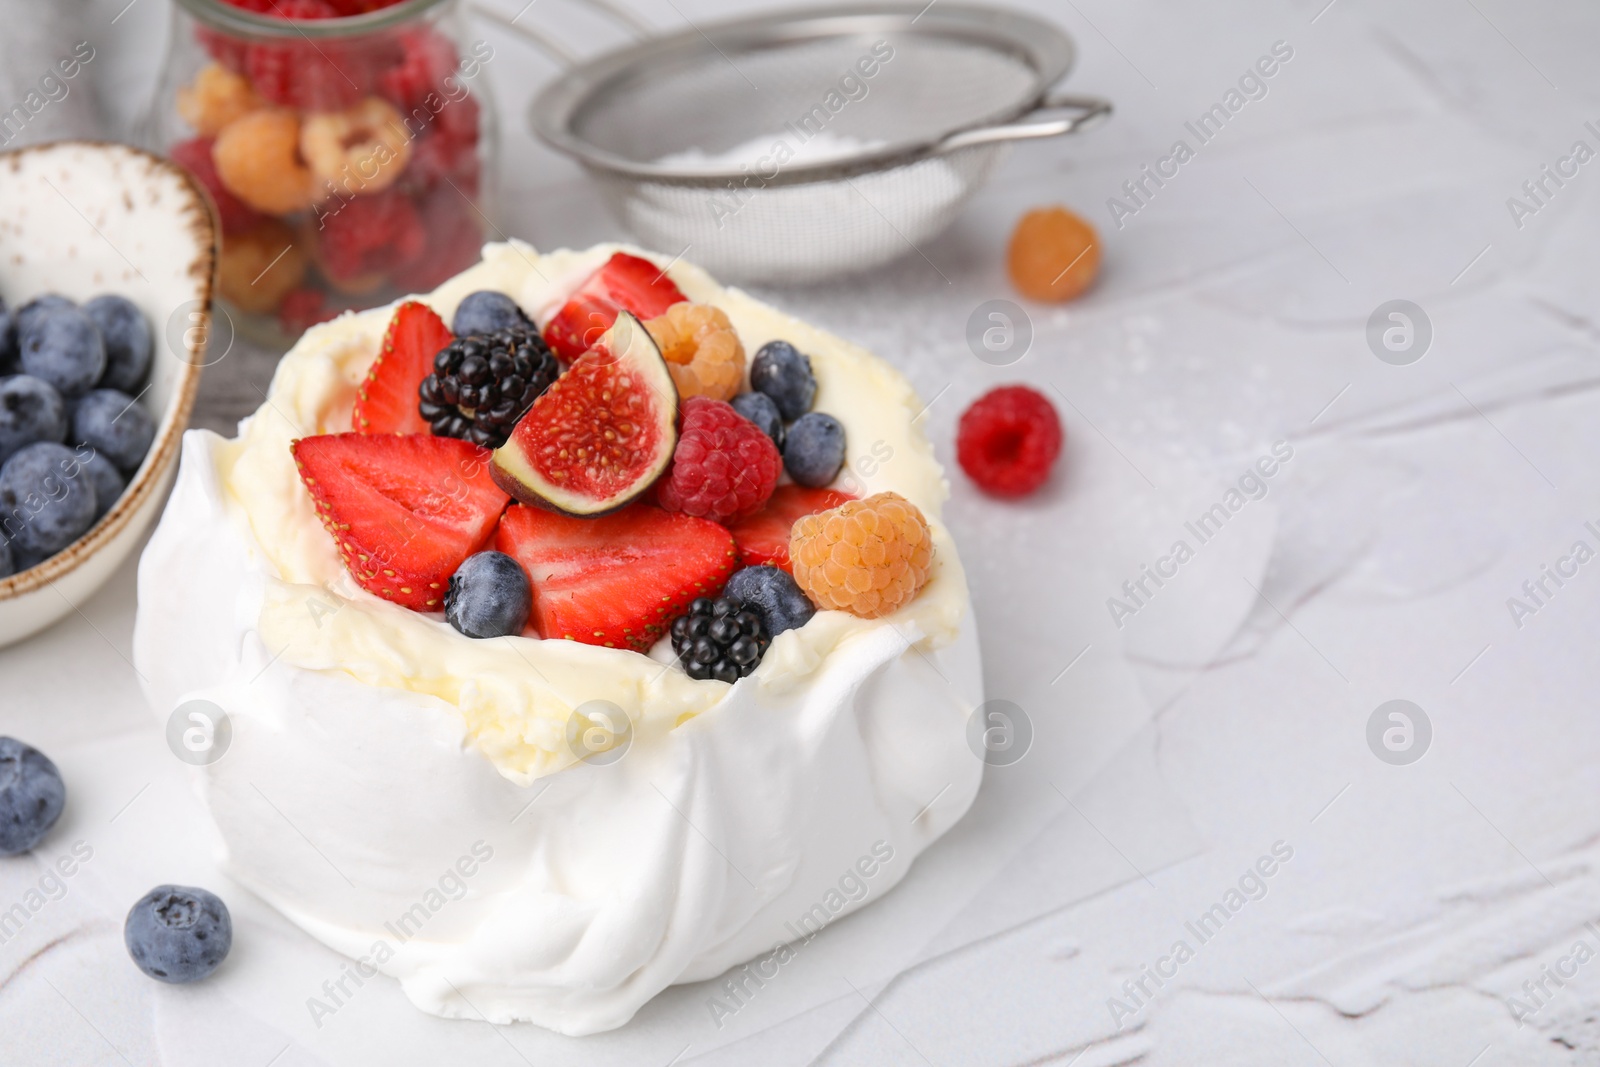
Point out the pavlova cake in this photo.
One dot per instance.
(579, 629)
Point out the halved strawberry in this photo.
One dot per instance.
(764, 536)
(618, 580)
(623, 283)
(386, 402)
(405, 509)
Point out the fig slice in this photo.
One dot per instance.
(601, 434)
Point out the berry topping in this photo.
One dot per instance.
(489, 596)
(126, 334)
(178, 933)
(8, 560)
(406, 510)
(30, 410)
(1008, 440)
(601, 435)
(783, 372)
(31, 795)
(813, 449)
(724, 468)
(1054, 255)
(701, 349)
(623, 283)
(867, 557)
(386, 402)
(762, 410)
(115, 426)
(62, 346)
(618, 580)
(722, 639)
(481, 385)
(487, 311)
(46, 503)
(774, 594)
(764, 536)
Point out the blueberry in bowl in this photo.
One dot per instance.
(100, 358)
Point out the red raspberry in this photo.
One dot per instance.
(454, 240)
(437, 157)
(1008, 440)
(321, 76)
(195, 156)
(427, 57)
(724, 468)
(370, 235)
(226, 49)
(302, 309)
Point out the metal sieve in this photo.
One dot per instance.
(808, 144)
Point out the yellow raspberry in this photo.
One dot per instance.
(258, 160)
(703, 353)
(867, 557)
(215, 98)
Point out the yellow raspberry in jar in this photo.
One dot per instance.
(258, 159)
(259, 267)
(868, 557)
(703, 353)
(216, 97)
(356, 152)
(1054, 255)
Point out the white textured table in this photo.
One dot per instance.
(1426, 912)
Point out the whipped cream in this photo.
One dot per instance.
(375, 749)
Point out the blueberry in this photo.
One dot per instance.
(178, 934)
(46, 499)
(27, 312)
(126, 334)
(31, 796)
(782, 372)
(8, 340)
(487, 311)
(112, 423)
(488, 596)
(108, 483)
(762, 410)
(30, 410)
(8, 559)
(813, 449)
(774, 594)
(62, 345)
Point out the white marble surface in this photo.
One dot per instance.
(1420, 898)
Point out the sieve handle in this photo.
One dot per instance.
(630, 22)
(1081, 111)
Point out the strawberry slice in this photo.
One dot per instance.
(405, 509)
(764, 536)
(623, 283)
(386, 402)
(618, 580)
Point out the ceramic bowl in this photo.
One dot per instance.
(82, 218)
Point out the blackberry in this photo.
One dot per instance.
(722, 639)
(481, 385)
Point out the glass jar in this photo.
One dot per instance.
(350, 157)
